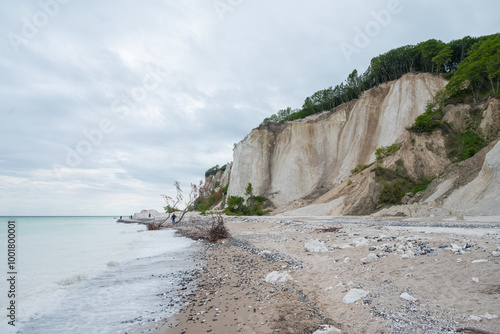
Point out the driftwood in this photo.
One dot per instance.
(329, 229)
(470, 329)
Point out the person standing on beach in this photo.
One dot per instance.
(173, 218)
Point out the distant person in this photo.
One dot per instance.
(149, 215)
(173, 218)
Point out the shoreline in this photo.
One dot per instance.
(431, 261)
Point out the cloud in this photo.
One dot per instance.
(106, 104)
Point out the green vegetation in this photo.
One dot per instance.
(252, 206)
(464, 145)
(385, 151)
(472, 64)
(214, 170)
(209, 196)
(358, 168)
(396, 184)
(429, 120)
(204, 203)
(474, 78)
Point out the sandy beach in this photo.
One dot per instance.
(288, 275)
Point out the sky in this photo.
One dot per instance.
(105, 104)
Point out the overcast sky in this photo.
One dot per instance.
(104, 104)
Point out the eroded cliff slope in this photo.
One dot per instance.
(305, 159)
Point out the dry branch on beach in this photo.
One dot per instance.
(328, 229)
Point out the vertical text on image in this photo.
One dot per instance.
(11, 272)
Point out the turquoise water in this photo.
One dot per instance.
(92, 275)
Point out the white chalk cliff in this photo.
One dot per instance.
(305, 163)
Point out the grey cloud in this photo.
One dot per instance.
(217, 79)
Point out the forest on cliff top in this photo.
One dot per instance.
(471, 64)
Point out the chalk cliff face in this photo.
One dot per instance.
(308, 157)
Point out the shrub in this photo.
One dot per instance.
(212, 171)
(234, 204)
(396, 183)
(464, 145)
(429, 120)
(393, 191)
(358, 168)
(420, 186)
(385, 151)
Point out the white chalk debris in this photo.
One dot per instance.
(315, 246)
(328, 329)
(408, 297)
(354, 295)
(277, 277)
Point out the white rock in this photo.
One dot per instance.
(347, 260)
(456, 248)
(480, 261)
(407, 297)
(495, 253)
(315, 246)
(360, 242)
(277, 277)
(369, 258)
(408, 254)
(475, 279)
(354, 295)
(475, 318)
(489, 316)
(327, 329)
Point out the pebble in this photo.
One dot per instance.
(328, 329)
(277, 277)
(354, 295)
(369, 258)
(480, 261)
(408, 297)
(315, 246)
(489, 316)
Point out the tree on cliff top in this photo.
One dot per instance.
(432, 56)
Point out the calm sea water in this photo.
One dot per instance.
(92, 275)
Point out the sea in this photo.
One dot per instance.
(90, 275)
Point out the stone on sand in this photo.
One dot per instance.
(314, 246)
(408, 297)
(354, 295)
(277, 277)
